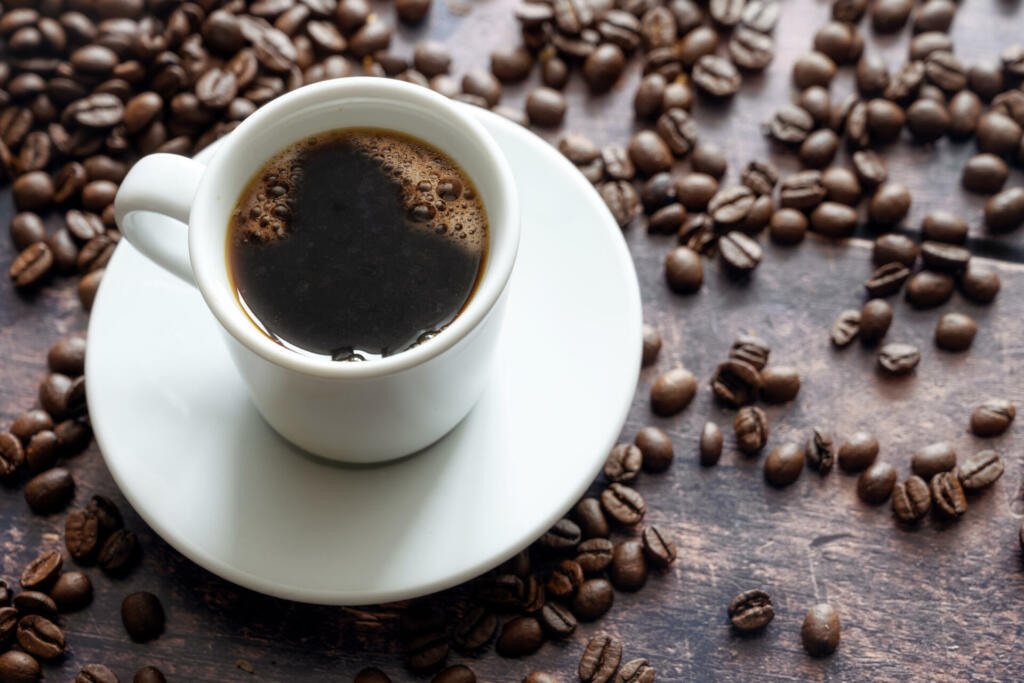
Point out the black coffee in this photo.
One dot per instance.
(357, 244)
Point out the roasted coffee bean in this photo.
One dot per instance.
(833, 219)
(784, 464)
(750, 349)
(964, 112)
(40, 637)
(564, 536)
(594, 555)
(788, 226)
(760, 176)
(67, 356)
(695, 190)
(96, 673)
(557, 620)
(621, 199)
(875, 318)
(731, 206)
(12, 455)
(649, 153)
(72, 591)
(819, 148)
(623, 504)
(884, 121)
(986, 78)
(697, 44)
(83, 225)
(759, 216)
(565, 578)
(858, 452)
(710, 444)
(894, 248)
(984, 174)
(698, 233)
(623, 463)
(578, 149)
(73, 437)
(945, 70)
(519, 637)
(820, 630)
(928, 42)
(629, 566)
(19, 667)
(846, 327)
(857, 134)
(95, 253)
(673, 391)
(64, 251)
(889, 205)
(927, 120)
(42, 451)
(946, 257)
(54, 393)
(554, 72)
(31, 422)
(750, 49)
(716, 76)
(761, 15)
(142, 616)
(69, 181)
(667, 219)
(617, 163)
(26, 229)
(545, 107)
(815, 100)
(1004, 211)
(979, 283)
(34, 602)
(107, 514)
(955, 332)
(790, 125)
(840, 41)
(603, 66)
(33, 191)
(649, 94)
(993, 417)
(876, 482)
(600, 659)
(948, 494)
(803, 190)
(636, 671)
(50, 491)
(8, 624)
(621, 28)
(934, 15)
(998, 134)
(678, 130)
(980, 470)
(944, 226)
(82, 535)
(752, 429)
(928, 289)
(813, 68)
(593, 599)
(656, 448)
(677, 95)
(932, 459)
(779, 384)
(740, 252)
(475, 629)
(872, 75)
(482, 84)
(683, 270)
(898, 359)
(906, 83)
(820, 451)
(119, 552)
(659, 548)
(539, 677)
(911, 499)
(736, 382)
(590, 518)
(751, 610)
(35, 152)
(427, 650)
(40, 573)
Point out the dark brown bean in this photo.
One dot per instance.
(948, 494)
(928, 289)
(876, 483)
(993, 417)
(710, 444)
(656, 449)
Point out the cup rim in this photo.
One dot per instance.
(502, 210)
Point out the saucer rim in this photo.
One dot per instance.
(246, 579)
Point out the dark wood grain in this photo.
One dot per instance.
(940, 602)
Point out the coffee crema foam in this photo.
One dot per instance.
(435, 198)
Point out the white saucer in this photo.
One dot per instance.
(197, 462)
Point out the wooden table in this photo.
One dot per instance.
(942, 602)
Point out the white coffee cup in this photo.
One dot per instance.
(363, 412)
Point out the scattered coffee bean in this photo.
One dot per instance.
(751, 610)
(950, 258)
(716, 76)
(40, 573)
(790, 125)
(889, 204)
(143, 616)
(1004, 211)
(539, 677)
(833, 219)
(736, 382)
(651, 344)
(858, 452)
(787, 226)
(623, 504)
(846, 327)
(629, 566)
(649, 153)
(545, 107)
(955, 332)
(820, 451)
(784, 464)
(944, 226)
(980, 470)
(779, 384)
(932, 459)
(752, 429)
(621, 198)
(983, 173)
(683, 270)
(948, 494)
(673, 391)
(31, 266)
(894, 248)
(119, 552)
(656, 448)
(979, 283)
(593, 599)
(818, 150)
(876, 482)
(564, 579)
(50, 491)
(678, 130)
(623, 463)
(964, 112)
(72, 591)
(590, 518)
(740, 252)
(34, 602)
(803, 190)
(695, 190)
(557, 621)
(911, 499)
(710, 444)
(658, 191)
(19, 667)
(875, 318)
(993, 417)
(12, 455)
(928, 289)
(820, 630)
(519, 637)
(898, 358)
(96, 673)
(475, 629)
(594, 555)
(42, 451)
(40, 637)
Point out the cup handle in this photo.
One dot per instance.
(162, 184)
